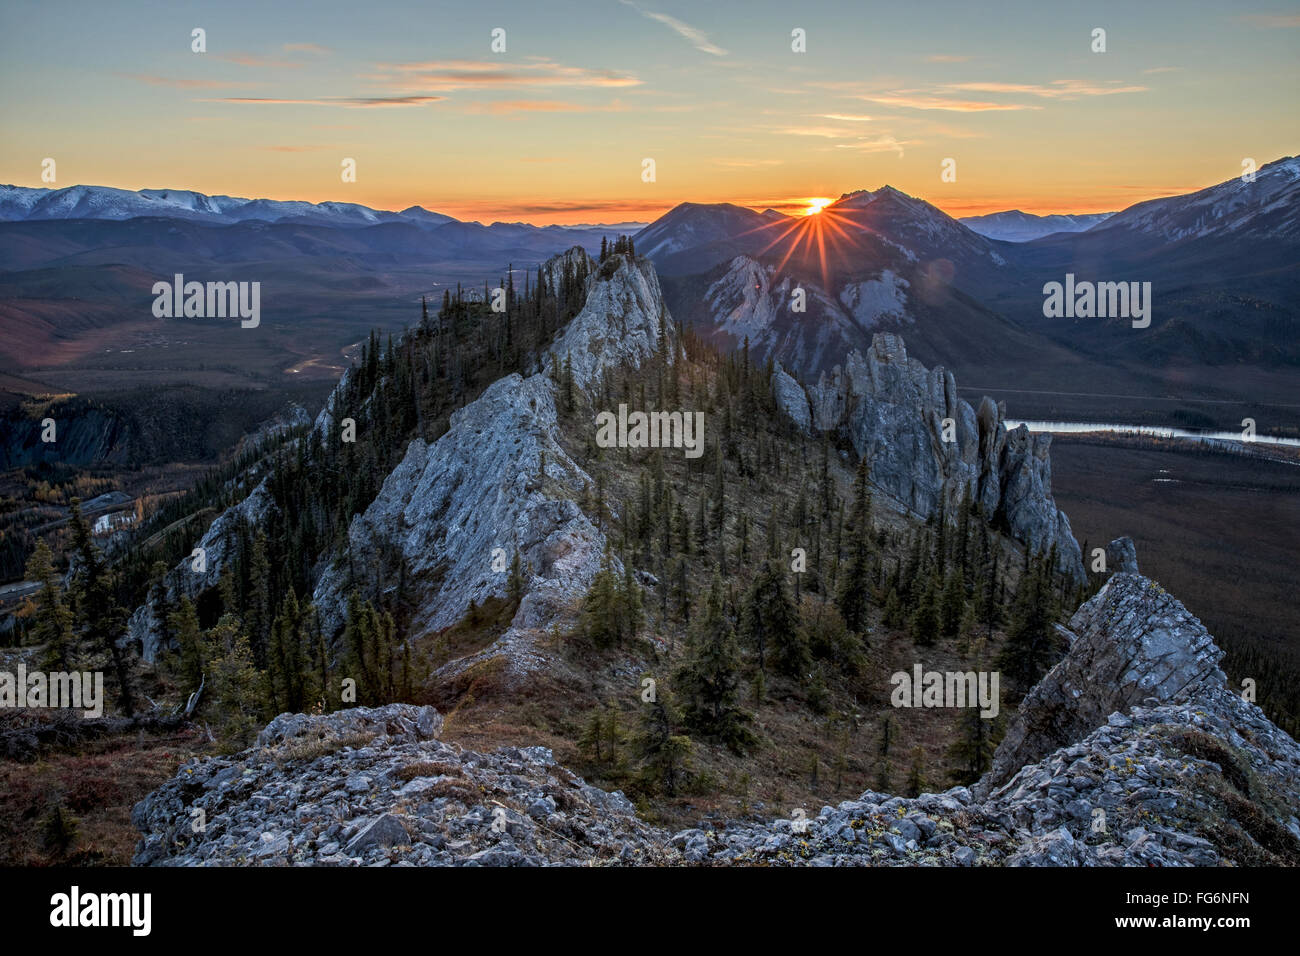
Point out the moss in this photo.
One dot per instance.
(1243, 821)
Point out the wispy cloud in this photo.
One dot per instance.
(827, 132)
(498, 107)
(946, 58)
(348, 102)
(276, 61)
(941, 97)
(846, 117)
(1164, 69)
(696, 38)
(480, 74)
(916, 101)
(748, 163)
(1057, 89)
(185, 84)
(879, 144)
(1271, 21)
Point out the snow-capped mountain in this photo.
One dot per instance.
(1016, 226)
(19, 203)
(788, 315)
(1267, 208)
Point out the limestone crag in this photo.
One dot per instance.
(622, 322)
(143, 630)
(1130, 752)
(894, 412)
(1131, 642)
(1121, 555)
(448, 506)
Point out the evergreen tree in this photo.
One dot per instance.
(516, 582)
(924, 625)
(1027, 654)
(190, 645)
(952, 604)
(709, 679)
(236, 683)
(916, 782)
(973, 749)
(101, 616)
(52, 625)
(828, 636)
(769, 621)
(664, 755)
(600, 609)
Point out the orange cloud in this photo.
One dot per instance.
(930, 102)
(480, 74)
(1057, 89)
(348, 102)
(498, 107)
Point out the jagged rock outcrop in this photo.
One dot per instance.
(1130, 752)
(622, 321)
(791, 398)
(1121, 556)
(894, 411)
(143, 630)
(448, 506)
(1131, 642)
(571, 261)
(373, 787)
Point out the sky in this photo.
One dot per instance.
(556, 128)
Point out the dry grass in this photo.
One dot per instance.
(98, 783)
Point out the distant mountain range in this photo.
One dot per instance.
(74, 261)
(25, 204)
(1016, 226)
(1224, 264)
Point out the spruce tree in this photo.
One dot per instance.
(52, 626)
(952, 604)
(769, 622)
(1027, 654)
(600, 609)
(924, 625)
(709, 679)
(664, 755)
(100, 615)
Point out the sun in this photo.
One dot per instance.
(816, 205)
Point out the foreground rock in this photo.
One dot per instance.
(1133, 642)
(374, 787)
(1134, 754)
(1130, 752)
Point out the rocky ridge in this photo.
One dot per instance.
(893, 409)
(499, 479)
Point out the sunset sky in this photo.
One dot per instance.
(555, 129)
